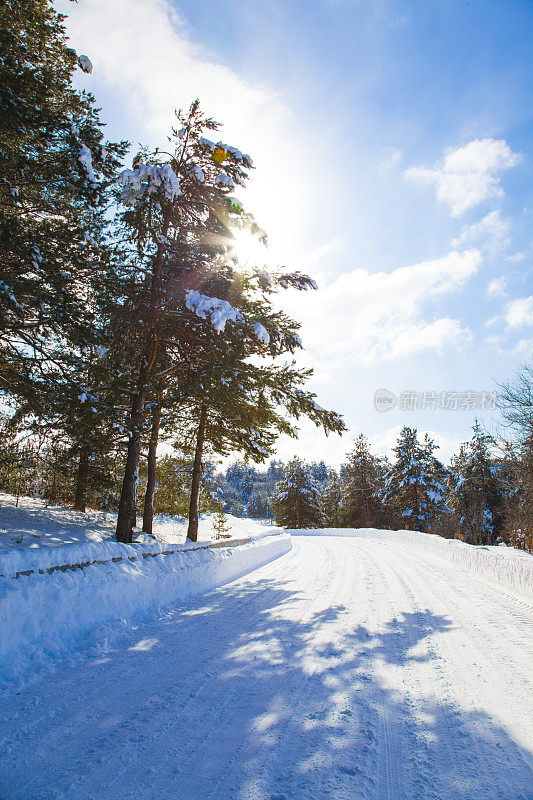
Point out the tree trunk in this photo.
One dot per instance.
(148, 514)
(81, 480)
(127, 509)
(192, 532)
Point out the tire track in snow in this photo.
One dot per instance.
(219, 712)
(447, 667)
(356, 690)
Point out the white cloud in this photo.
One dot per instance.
(518, 257)
(318, 262)
(497, 287)
(468, 175)
(491, 232)
(524, 348)
(313, 445)
(519, 312)
(371, 317)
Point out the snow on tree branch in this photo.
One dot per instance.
(146, 179)
(224, 181)
(261, 333)
(85, 64)
(220, 151)
(220, 311)
(86, 160)
(296, 280)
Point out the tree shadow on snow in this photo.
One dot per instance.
(255, 692)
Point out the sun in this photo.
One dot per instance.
(249, 249)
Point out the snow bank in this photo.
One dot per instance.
(34, 524)
(43, 615)
(502, 566)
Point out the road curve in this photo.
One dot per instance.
(347, 669)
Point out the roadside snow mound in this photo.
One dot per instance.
(34, 524)
(42, 616)
(504, 567)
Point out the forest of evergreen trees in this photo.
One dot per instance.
(126, 318)
(485, 495)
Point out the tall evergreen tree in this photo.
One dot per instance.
(56, 263)
(362, 478)
(297, 498)
(415, 484)
(56, 169)
(476, 494)
(332, 500)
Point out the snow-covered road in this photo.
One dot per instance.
(345, 669)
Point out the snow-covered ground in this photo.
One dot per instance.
(352, 667)
(66, 589)
(34, 524)
(503, 567)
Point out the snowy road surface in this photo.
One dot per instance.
(345, 669)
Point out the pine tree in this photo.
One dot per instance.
(178, 214)
(476, 494)
(258, 506)
(181, 217)
(362, 478)
(297, 498)
(332, 500)
(242, 478)
(415, 484)
(220, 524)
(56, 169)
(320, 472)
(57, 266)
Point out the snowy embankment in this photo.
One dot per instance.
(34, 524)
(80, 594)
(503, 567)
(42, 616)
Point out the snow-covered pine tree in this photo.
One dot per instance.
(56, 172)
(242, 478)
(297, 500)
(363, 476)
(56, 168)
(320, 472)
(475, 494)
(178, 214)
(258, 505)
(332, 500)
(182, 218)
(415, 484)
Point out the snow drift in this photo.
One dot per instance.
(42, 616)
(501, 566)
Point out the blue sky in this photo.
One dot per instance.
(393, 150)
